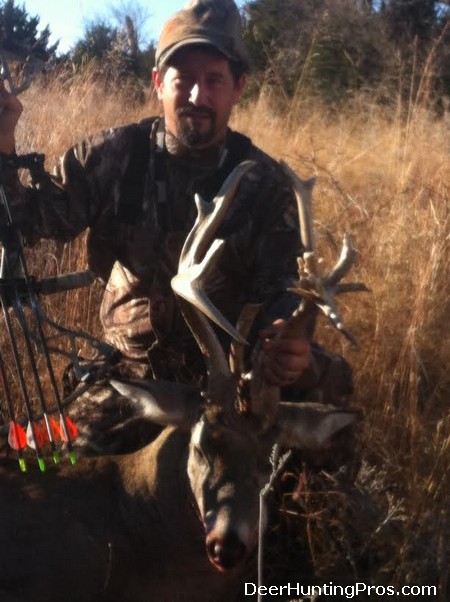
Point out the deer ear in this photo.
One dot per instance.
(162, 402)
(309, 426)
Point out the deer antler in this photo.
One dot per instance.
(316, 292)
(315, 289)
(198, 259)
(32, 66)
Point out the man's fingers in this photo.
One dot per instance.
(283, 367)
(289, 362)
(284, 359)
(287, 345)
(274, 329)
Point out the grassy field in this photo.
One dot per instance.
(382, 174)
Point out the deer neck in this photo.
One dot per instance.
(156, 487)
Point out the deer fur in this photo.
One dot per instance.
(175, 521)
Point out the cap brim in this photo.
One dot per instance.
(169, 52)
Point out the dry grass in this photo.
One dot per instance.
(387, 180)
(384, 175)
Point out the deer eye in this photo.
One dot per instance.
(198, 453)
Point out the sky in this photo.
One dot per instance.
(66, 18)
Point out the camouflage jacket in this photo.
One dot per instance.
(138, 219)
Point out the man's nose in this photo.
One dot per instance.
(198, 95)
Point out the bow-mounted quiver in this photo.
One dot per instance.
(31, 403)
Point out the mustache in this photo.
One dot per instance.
(192, 111)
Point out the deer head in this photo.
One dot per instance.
(229, 450)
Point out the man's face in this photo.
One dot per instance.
(198, 93)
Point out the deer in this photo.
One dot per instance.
(178, 519)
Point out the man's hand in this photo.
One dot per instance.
(10, 111)
(284, 359)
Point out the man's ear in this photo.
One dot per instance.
(157, 81)
(240, 87)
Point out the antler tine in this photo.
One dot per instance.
(308, 266)
(5, 73)
(198, 259)
(346, 259)
(31, 67)
(303, 191)
(318, 291)
(211, 215)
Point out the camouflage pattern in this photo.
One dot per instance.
(139, 311)
(137, 257)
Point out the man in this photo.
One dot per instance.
(133, 187)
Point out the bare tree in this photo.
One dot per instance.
(130, 16)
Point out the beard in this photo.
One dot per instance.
(194, 134)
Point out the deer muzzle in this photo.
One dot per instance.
(228, 543)
(225, 552)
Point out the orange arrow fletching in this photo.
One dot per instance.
(56, 431)
(17, 437)
(72, 430)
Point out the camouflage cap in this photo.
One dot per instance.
(214, 22)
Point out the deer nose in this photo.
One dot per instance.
(226, 552)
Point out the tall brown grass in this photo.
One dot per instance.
(383, 174)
